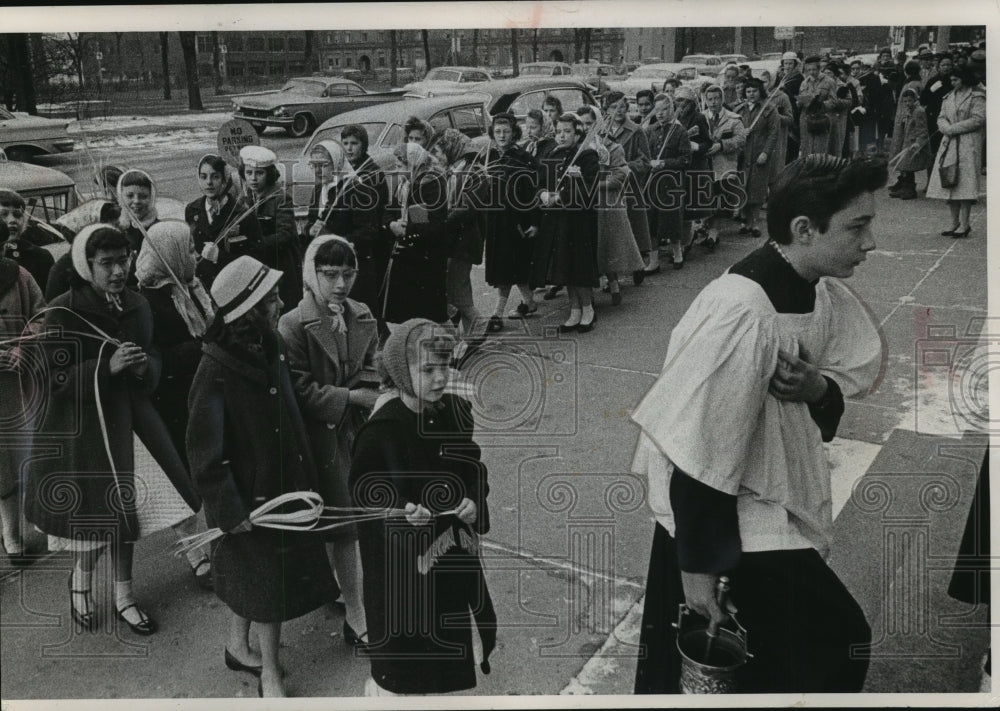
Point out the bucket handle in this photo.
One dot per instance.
(684, 611)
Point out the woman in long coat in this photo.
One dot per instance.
(425, 592)
(511, 222)
(697, 205)
(415, 280)
(182, 310)
(777, 97)
(637, 155)
(847, 99)
(763, 134)
(248, 445)
(670, 147)
(817, 99)
(20, 300)
(616, 249)
(962, 122)
(355, 209)
(331, 341)
(270, 222)
(102, 371)
(566, 252)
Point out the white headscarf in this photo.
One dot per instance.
(165, 259)
(78, 253)
(310, 280)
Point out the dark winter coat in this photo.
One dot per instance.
(666, 181)
(36, 261)
(638, 154)
(467, 188)
(272, 226)
(566, 246)
(696, 128)
(513, 176)
(79, 472)
(247, 445)
(204, 231)
(420, 582)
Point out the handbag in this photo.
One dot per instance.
(817, 123)
(948, 173)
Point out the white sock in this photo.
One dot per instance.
(82, 579)
(501, 305)
(654, 258)
(574, 317)
(123, 594)
(588, 313)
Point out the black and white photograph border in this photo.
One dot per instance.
(568, 554)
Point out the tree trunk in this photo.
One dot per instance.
(738, 41)
(586, 45)
(577, 44)
(216, 68)
(165, 65)
(393, 59)
(514, 63)
(534, 45)
(475, 48)
(427, 50)
(307, 52)
(20, 62)
(191, 71)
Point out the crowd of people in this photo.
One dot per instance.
(258, 348)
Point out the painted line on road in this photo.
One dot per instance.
(908, 299)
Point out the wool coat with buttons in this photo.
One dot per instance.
(247, 444)
(325, 365)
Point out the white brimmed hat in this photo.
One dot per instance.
(241, 285)
(790, 55)
(257, 156)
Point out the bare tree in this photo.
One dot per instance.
(427, 49)
(475, 48)
(393, 58)
(586, 44)
(76, 45)
(514, 63)
(216, 57)
(24, 80)
(577, 44)
(165, 65)
(307, 51)
(191, 70)
(534, 45)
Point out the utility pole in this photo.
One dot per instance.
(738, 41)
(943, 38)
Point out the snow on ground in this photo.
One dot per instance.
(124, 123)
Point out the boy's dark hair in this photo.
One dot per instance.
(414, 124)
(644, 92)
(134, 177)
(107, 177)
(110, 213)
(818, 186)
(968, 75)
(585, 110)
(611, 98)
(359, 132)
(912, 69)
(11, 199)
(335, 254)
(554, 101)
(107, 238)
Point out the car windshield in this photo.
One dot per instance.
(652, 73)
(304, 86)
(536, 70)
(48, 206)
(443, 75)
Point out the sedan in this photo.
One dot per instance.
(652, 76)
(305, 102)
(708, 64)
(23, 137)
(447, 80)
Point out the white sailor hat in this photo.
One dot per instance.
(257, 156)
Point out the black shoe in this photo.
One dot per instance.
(236, 665)
(494, 325)
(352, 638)
(203, 574)
(679, 264)
(710, 244)
(744, 230)
(959, 235)
(552, 293)
(563, 328)
(260, 688)
(754, 232)
(84, 619)
(523, 311)
(616, 296)
(638, 276)
(907, 193)
(587, 327)
(146, 625)
(950, 233)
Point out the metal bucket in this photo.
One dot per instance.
(717, 673)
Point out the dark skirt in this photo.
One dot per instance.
(272, 576)
(508, 254)
(971, 580)
(566, 250)
(801, 623)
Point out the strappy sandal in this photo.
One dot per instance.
(84, 619)
(145, 626)
(494, 325)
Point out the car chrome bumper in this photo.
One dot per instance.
(268, 121)
(64, 146)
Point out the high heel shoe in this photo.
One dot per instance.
(951, 232)
(84, 619)
(236, 665)
(587, 327)
(959, 235)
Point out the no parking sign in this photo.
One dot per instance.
(234, 135)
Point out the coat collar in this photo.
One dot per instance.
(227, 359)
(354, 343)
(625, 131)
(86, 299)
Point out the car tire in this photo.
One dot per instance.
(302, 125)
(259, 128)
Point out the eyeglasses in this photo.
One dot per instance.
(320, 164)
(110, 264)
(17, 213)
(335, 274)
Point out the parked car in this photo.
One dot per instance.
(22, 137)
(770, 55)
(759, 67)
(446, 80)
(734, 59)
(305, 102)
(652, 76)
(708, 64)
(596, 74)
(545, 69)
(521, 94)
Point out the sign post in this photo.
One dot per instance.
(784, 33)
(234, 135)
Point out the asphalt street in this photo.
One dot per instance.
(567, 556)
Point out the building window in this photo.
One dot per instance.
(275, 44)
(234, 42)
(364, 36)
(234, 70)
(277, 69)
(381, 60)
(296, 44)
(381, 36)
(347, 61)
(203, 43)
(347, 37)
(256, 44)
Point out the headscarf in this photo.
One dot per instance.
(453, 143)
(310, 280)
(336, 153)
(165, 259)
(393, 363)
(78, 253)
(126, 219)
